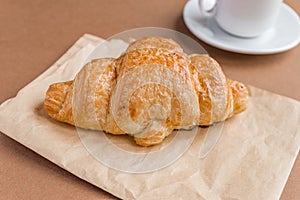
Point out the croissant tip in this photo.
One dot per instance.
(55, 96)
(240, 96)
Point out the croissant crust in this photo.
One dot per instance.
(150, 90)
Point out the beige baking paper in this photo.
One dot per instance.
(252, 159)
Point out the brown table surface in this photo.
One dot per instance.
(36, 33)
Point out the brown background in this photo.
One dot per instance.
(35, 33)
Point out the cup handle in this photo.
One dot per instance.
(207, 7)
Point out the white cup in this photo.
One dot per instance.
(244, 18)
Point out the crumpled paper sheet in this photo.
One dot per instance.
(252, 159)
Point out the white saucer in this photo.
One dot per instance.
(283, 36)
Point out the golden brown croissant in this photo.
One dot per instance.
(150, 90)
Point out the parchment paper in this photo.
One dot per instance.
(252, 159)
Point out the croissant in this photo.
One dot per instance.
(150, 90)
